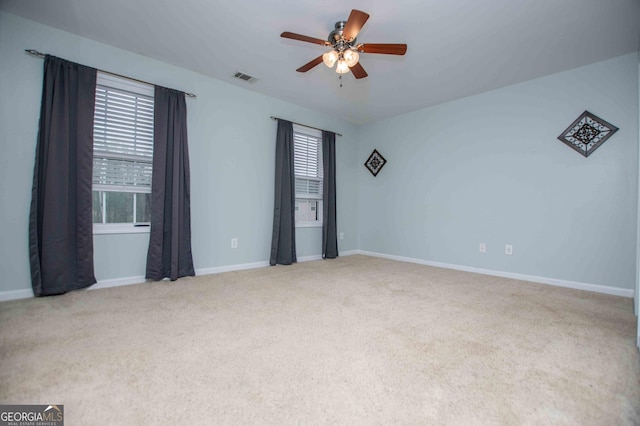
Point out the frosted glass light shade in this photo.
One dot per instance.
(351, 57)
(330, 58)
(342, 67)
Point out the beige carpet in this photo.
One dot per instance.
(356, 340)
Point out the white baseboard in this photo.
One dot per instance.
(117, 282)
(230, 268)
(27, 293)
(310, 258)
(319, 256)
(15, 294)
(241, 267)
(615, 291)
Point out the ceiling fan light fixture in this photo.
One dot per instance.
(330, 58)
(351, 57)
(344, 49)
(342, 67)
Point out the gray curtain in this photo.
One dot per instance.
(169, 254)
(60, 220)
(283, 238)
(329, 226)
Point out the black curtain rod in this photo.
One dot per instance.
(300, 124)
(41, 55)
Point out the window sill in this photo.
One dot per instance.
(309, 225)
(125, 228)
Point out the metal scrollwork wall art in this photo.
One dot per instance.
(587, 133)
(375, 162)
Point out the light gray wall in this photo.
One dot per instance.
(488, 168)
(232, 148)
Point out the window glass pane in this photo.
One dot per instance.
(302, 210)
(119, 207)
(302, 186)
(108, 171)
(96, 197)
(315, 187)
(307, 210)
(143, 208)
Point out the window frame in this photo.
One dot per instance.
(108, 80)
(309, 132)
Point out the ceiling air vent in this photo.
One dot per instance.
(245, 77)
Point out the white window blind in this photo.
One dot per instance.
(307, 162)
(123, 135)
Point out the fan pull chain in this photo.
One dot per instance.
(340, 78)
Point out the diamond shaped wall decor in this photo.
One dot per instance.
(587, 133)
(375, 162)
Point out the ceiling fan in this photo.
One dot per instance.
(345, 50)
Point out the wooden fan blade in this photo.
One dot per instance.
(306, 67)
(301, 37)
(388, 49)
(354, 24)
(358, 71)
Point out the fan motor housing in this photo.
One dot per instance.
(335, 36)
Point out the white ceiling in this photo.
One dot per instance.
(456, 48)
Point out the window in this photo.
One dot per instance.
(122, 155)
(307, 152)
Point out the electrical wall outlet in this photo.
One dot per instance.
(508, 249)
(234, 243)
(482, 248)
(342, 235)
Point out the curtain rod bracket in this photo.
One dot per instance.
(34, 53)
